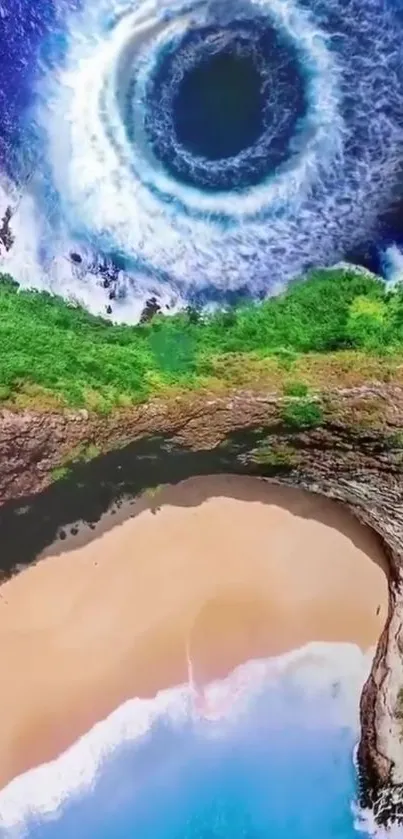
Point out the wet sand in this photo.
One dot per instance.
(218, 569)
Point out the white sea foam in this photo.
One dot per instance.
(317, 670)
(56, 273)
(96, 189)
(365, 823)
(392, 264)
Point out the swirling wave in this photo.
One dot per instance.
(321, 163)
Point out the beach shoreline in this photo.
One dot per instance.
(211, 573)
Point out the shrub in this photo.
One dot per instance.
(295, 389)
(302, 414)
(368, 324)
(60, 473)
(5, 393)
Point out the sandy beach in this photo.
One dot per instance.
(217, 569)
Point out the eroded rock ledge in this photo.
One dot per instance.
(58, 468)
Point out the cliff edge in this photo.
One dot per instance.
(345, 443)
(304, 389)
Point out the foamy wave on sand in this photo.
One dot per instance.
(333, 671)
(365, 823)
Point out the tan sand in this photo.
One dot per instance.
(228, 568)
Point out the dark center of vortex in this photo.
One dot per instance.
(223, 105)
(219, 106)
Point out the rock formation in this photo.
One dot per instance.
(58, 467)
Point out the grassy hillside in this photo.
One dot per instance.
(332, 327)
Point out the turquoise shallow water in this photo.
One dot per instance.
(271, 756)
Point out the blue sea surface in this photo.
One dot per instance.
(275, 759)
(126, 157)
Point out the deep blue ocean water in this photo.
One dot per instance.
(199, 150)
(272, 756)
(219, 105)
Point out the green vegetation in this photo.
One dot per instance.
(89, 452)
(326, 327)
(295, 389)
(276, 455)
(80, 454)
(302, 414)
(395, 441)
(60, 472)
(5, 393)
(399, 709)
(151, 492)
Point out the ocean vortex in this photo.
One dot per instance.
(220, 145)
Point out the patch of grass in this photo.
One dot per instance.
(60, 473)
(91, 452)
(54, 354)
(368, 413)
(5, 393)
(83, 453)
(348, 368)
(275, 454)
(286, 358)
(395, 440)
(295, 389)
(302, 414)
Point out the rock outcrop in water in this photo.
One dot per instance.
(6, 235)
(347, 444)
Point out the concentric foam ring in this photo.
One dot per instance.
(342, 167)
(263, 102)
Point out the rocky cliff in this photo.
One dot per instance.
(346, 444)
